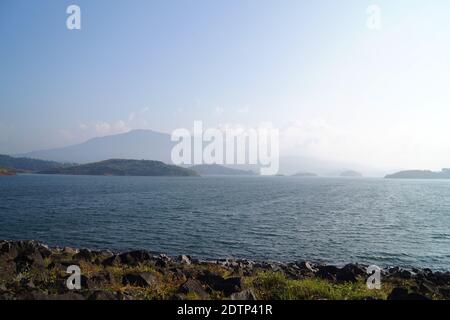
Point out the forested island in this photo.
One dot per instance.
(305, 175)
(122, 167)
(27, 164)
(420, 174)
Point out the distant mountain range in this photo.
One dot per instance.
(152, 145)
(420, 174)
(121, 167)
(136, 144)
(215, 169)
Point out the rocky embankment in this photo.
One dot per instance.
(31, 270)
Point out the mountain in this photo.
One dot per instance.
(215, 169)
(351, 174)
(136, 144)
(122, 167)
(152, 145)
(27, 164)
(304, 174)
(420, 174)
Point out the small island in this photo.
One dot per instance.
(304, 175)
(122, 167)
(351, 174)
(420, 174)
(215, 169)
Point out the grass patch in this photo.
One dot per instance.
(275, 285)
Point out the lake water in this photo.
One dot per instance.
(386, 222)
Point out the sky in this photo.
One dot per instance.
(335, 88)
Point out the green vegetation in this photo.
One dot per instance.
(26, 164)
(120, 167)
(31, 270)
(275, 286)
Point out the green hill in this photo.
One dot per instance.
(27, 164)
(420, 174)
(120, 167)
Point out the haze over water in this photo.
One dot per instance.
(332, 220)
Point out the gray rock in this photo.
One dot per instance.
(86, 255)
(399, 293)
(67, 296)
(9, 249)
(29, 259)
(141, 279)
(218, 283)
(445, 292)
(327, 272)
(192, 286)
(243, 295)
(183, 259)
(69, 251)
(124, 296)
(106, 278)
(428, 288)
(112, 261)
(32, 295)
(133, 258)
(344, 275)
(103, 295)
(8, 269)
(87, 283)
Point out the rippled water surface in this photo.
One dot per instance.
(387, 222)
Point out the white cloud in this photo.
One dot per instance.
(105, 128)
(245, 109)
(102, 127)
(219, 110)
(383, 146)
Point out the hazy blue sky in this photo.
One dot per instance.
(336, 89)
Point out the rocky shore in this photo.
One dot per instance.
(30, 270)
